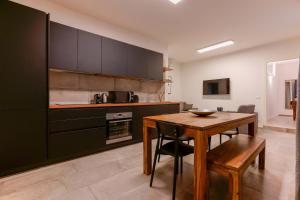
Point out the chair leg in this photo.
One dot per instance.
(181, 164)
(261, 159)
(154, 162)
(161, 143)
(235, 186)
(209, 142)
(220, 138)
(175, 177)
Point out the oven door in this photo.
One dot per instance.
(119, 130)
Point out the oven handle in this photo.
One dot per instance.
(116, 121)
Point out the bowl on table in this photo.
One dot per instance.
(203, 112)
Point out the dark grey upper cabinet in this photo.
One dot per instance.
(114, 57)
(137, 62)
(75, 50)
(63, 47)
(155, 65)
(23, 63)
(89, 52)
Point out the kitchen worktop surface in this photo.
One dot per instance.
(60, 106)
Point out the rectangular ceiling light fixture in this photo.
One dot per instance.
(216, 46)
(175, 1)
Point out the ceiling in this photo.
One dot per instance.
(193, 24)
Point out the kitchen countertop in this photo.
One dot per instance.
(61, 106)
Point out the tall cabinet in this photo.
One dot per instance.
(23, 86)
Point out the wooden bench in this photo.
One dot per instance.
(233, 157)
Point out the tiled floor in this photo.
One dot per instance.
(117, 174)
(282, 123)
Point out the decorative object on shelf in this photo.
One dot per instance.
(169, 84)
(161, 94)
(166, 69)
(203, 112)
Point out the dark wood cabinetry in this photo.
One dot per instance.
(137, 62)
(23, 71)
(89, 52)
(79, 51)
(154, 65)
(74, 132)
(144, 111)
(23, 139)
(74, 143)
(63, 47)
(23, 85)
(114, 57)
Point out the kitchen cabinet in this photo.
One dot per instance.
(74, 143)
(146, 64)
(137, 62)
(114, 57)
(23, 139)
(89, 52)
(144, 111)
(79, 51)
(23, 85)
(63, 47)
(23, 63)
(75, 132)
(154, 65)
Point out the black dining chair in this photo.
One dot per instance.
(174, 147)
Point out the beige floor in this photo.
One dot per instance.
(282, 123)
(117, 174)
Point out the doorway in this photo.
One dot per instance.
(282, 94)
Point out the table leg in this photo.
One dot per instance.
(200, 168)
(147, 149)
(251, 129)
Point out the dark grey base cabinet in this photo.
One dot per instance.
(144, 111)
(75, 132)
(74, 143)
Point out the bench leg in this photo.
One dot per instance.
(261, 163)
(235, 185)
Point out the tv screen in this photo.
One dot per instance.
(216, 87)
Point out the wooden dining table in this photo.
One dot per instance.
(200, 128)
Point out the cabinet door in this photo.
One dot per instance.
(23, 139)
(154, 65)
(73, 143)
(89, 52)
(137, 62)
(63, 47)
(114, 57)
(144, 111)
(23, 63)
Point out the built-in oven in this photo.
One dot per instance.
(119, 127)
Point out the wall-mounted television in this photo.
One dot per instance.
(216, 87)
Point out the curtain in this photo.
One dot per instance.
(298, 141)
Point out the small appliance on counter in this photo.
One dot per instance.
(100, 98)
(122, 97)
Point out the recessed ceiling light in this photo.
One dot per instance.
(216, 46)
(175, 1)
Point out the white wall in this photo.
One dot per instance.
(71, 18)
(272, 92)
(175, 74)
(247, 71)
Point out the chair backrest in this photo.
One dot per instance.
(170, 130)
(246, 109)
